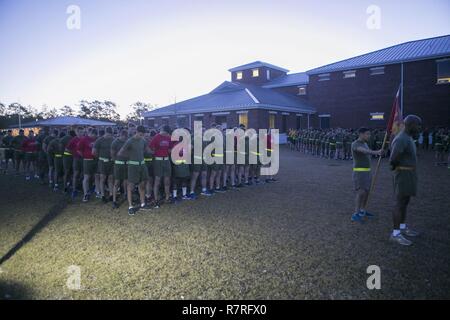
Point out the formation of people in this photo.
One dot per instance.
(132, 164)
(336, 143)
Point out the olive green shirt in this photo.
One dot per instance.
(115, 148)
(135, 148)
(403, 151)
(360, 160)
(103, 147)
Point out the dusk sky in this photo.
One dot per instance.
(156, 51)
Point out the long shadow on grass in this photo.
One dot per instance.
(52, 214)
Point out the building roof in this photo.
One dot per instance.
(257, 64)
(288, 80)
(231, 96)
(65, 121)
(405, 52)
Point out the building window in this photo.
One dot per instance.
(182, 122)
(443, 71)
(349, 74)
(324, 77)
(272, 121)
(243, 119)
(376, 71)
(268, 74)
(255, 73)
(151, 123)
(377, 116)
(239, 75)
(301, 90)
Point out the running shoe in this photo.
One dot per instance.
(366, 214)
(115, 205)
(409, 232)
(85, 198)
(400, 239)
(206, 193)
(131, 211)
(192, 196)
(357, 217)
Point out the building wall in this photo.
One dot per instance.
(350, 101)
(248, 78)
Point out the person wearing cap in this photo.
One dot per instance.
(102, 150)
(362, 173)
(137, 173)
(403, 161)
(161, 146)
(120, 166)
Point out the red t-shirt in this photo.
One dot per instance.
(84, 147)
(29, 145)
(72, 147)
(161, 145)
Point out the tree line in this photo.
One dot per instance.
(97, 110)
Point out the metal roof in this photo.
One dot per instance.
(288, 80)
(65, 121)
(257, 64)
(405, 52)
(231, 96)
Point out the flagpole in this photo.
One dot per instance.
(388, 131)
(375, 175)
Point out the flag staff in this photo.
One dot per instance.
(394, 114)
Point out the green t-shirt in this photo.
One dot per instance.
(103, 147)
(360, 160)
(404, 150)
(17, 141)
(65, 140)
(135, 148)
(116, 146)
(55, 147)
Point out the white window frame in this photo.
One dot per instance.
(376, 71)
(257, 73)
(350, 74)
(324, 77)
(299, 93)
(239, 75)
(441, 80)
(268, 74)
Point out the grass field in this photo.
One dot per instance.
(288, 240)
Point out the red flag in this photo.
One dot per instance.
(396, 120)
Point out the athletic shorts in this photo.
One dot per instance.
(89, 167)
(162, 168)
(181, 170)
(59, 167)
(137, 173)
(19, 155)
(9, 154)
(30, 156)
(405, 183)
(78, 164)
(105, 167)
(67, 163)
(149, 165)
(362, 180)
(120, 172)
(199, 167)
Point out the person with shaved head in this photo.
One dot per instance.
(403, 162)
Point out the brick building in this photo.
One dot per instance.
(349, 93)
